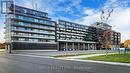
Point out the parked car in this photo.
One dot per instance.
(122, 49)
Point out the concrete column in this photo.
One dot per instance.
(84, 46)
(88, 47)
(9, 48)
(6, 47)
(73, 46)
(66, 46)
(58, 46)
(78, 46)
(95, 47)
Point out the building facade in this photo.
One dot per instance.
(72, 36)
(29, 29)
(113, 37)
(115, 40)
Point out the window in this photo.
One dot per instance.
(36, 20)
(26, 39)
(21, 39)
(62, 26)
(32, 34)
(17, 28)
(26, 28)
(62, 22)
(51, 41)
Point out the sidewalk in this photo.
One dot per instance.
(55, 52)
(76, 58)
(102, 62)
(85, 56)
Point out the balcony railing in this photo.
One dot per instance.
(33, 37)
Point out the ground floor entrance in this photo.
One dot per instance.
(76, 46)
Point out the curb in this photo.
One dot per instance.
(103, 62)
(92, 61)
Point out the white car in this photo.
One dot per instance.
(122, 49)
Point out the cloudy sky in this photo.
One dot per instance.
(82, 11)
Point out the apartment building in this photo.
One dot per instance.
(113, 37)
(29, 29)
(115, 40)
(72, 36)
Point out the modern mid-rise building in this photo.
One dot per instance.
(73, 36)
(31, 29)
(114, 37)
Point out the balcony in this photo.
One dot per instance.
(24, 19)
(33, 42)
(53, 38)
(29, 31)
(36, 27)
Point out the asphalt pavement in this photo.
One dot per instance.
(55, 52)
(12, 63)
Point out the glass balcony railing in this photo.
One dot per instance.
(30, 31)
(35, 20)
(33, 36)
(33, 26)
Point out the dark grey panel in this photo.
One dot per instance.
(33, 46)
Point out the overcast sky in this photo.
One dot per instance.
(82, 11)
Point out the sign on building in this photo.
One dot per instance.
(4, 4)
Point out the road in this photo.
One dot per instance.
(52, 53)
(25, 64)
